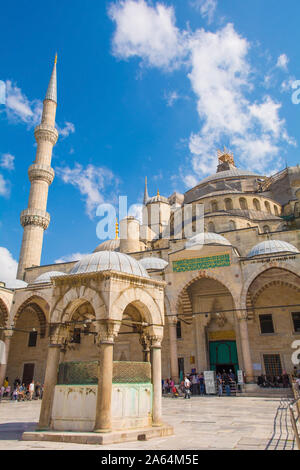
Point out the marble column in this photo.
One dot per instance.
(3, 367)
(245, 344)
(107, 334)
(49, 385)
(172, 320)
(156, 380)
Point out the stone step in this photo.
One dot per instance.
(114, 437)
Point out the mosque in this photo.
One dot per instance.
(227, 297)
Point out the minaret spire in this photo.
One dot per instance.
(52, 87)
(35, 219)
(146, 195)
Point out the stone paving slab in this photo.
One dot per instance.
(199, 423)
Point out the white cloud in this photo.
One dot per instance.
(136, 210)
(221, 77)
(19, 108)
(282, 61)
(147, 32)
(267, 115)
(68, 129)
(171, 97)
(207, 8)
(7, 161)
(91, 181)
(73, 257)
(4, 187)
(8, 265)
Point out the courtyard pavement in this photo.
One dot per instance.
(199, 423)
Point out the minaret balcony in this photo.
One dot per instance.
(38, 171)
(46, 133)
(36, 217)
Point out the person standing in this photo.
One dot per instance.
(31, 390)
(227, 381)
(187, 386)
(201, 384)
(220, 384)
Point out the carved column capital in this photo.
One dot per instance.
(7, 334)
(173, 319)
(107, 331)
(58, 335)
(155, 342)
(145, 341)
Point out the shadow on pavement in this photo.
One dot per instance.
(14, 431)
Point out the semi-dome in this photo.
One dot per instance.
(108, 245)
(152, 262)
(109, 261)
(46, 277)
(15, 284)
(207, 238)
(272, 246)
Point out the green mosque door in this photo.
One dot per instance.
(223, 356)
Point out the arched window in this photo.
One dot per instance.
(267, 206)
(276, 210)
(178, 330)
(256, 204)
(228, 204)
(243, 203)
(266, 229)
(214, 206)
(232, 225)
(211, 227)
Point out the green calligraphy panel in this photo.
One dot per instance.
(196, 264)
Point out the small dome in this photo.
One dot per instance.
(108, 245)
(109, 261)
(207, 238)
(272, 246)
(46, 277)
(15, 284)
(152, 262)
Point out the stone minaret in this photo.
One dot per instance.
(35, 219)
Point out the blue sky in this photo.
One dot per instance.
(144, 88)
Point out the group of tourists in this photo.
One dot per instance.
(194, 384)
(20, 391)
(272, 381)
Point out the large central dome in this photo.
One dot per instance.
(109, 261)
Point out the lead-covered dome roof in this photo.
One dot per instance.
(46, 277)
(207, 238)
(272, 246)
(152, 262)
(232, 173)
(108, 245)
(109, 261)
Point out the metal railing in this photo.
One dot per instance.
(294, 408)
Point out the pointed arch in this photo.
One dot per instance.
(143, 301)
(64, 308)
(37, 305)
(260, 270)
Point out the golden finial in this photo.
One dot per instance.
(157, 192)
(117, 229)
(55, 60)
